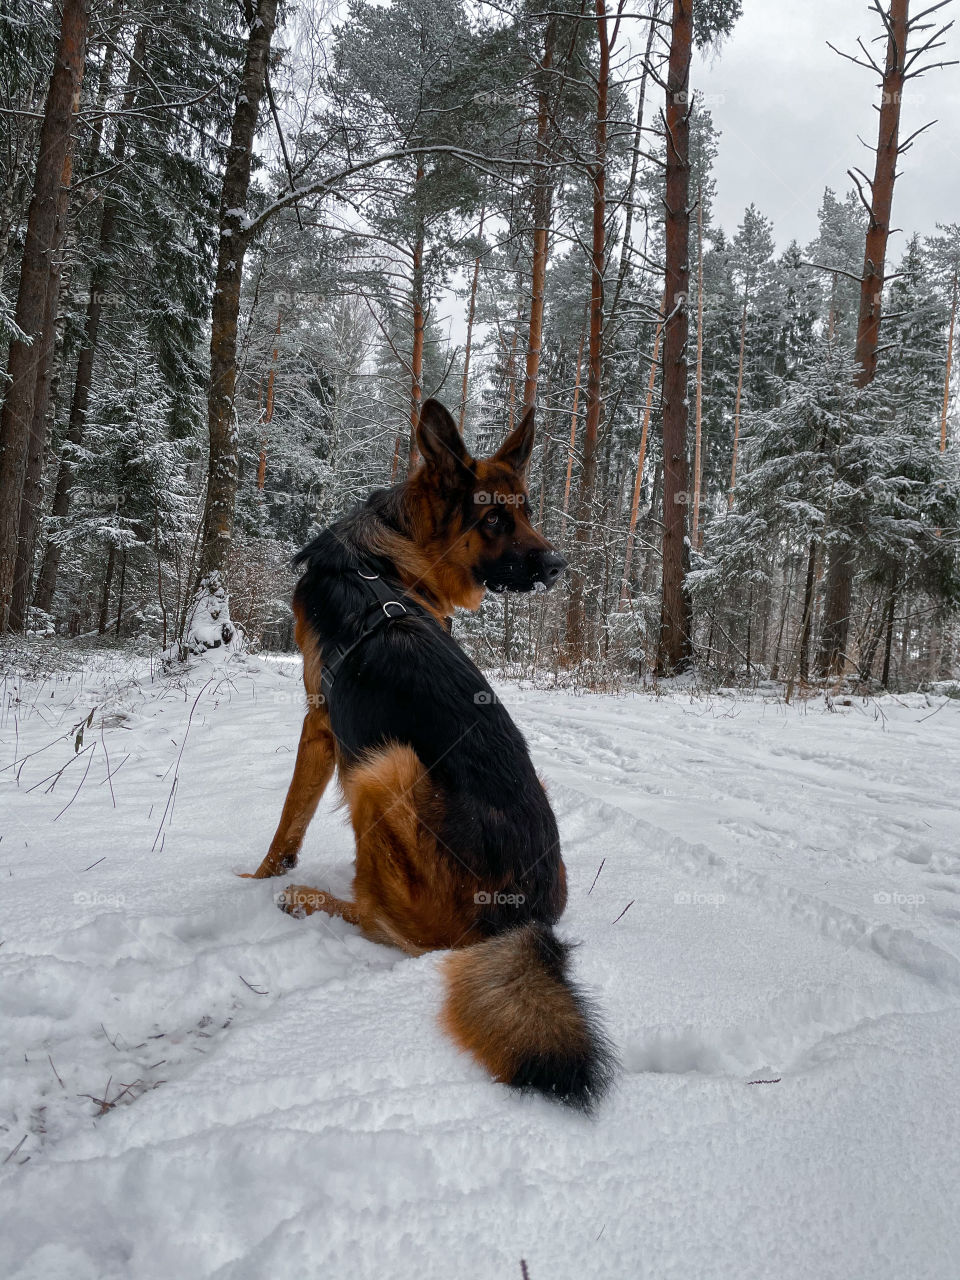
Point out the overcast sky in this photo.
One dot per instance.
(789, 111)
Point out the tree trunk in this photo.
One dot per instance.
(223, 473)
(698, 435)
(31, 500)
(767, 609)
(888, 643)
(471, 314)
(546, 455)
(788, 582)
(31, 503)
(105, 596)
(836, 611)
(573, 439)
(935, 644)
(100, 280)
(675, 647)
(123, 578)
(737, 401)
(656, 494)
(160, 599)
(946, 376)
(842, 564)
(868, 652)
(806, 620)
(542, 200)
(905, 633)
(512, 377)
(598, 175)
(419, 324)
(641, 459)
(749, 626)
(16, 417)
(881, 190)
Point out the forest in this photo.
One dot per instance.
(628, 937)
(242, 242)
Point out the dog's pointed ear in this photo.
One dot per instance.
(439, 440)
(518, 446)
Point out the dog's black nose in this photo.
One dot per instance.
(553, 564)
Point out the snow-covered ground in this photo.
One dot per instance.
(193, 1084)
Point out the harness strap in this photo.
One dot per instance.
(387, 604)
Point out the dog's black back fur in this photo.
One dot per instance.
(411, 684)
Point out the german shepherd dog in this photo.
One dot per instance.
(457, 846)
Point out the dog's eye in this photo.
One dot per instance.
(492, 519)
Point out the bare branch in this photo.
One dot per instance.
(283, 142)
(856, 175)
(908, 142)
(867, 66)
(836, 271)
(930, 66)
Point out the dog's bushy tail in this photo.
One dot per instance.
(512, 1005)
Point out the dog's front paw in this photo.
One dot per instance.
(300, 900)
(274, 864)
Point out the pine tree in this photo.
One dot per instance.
(33, 310)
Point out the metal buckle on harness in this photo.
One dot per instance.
(385, 605)
(328, 673)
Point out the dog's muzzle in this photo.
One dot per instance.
(552, 565)
(536, 571)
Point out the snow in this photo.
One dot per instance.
(763, 893)
(208, 623)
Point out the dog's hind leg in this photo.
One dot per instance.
(406, 895)
(380, 794)
(312, 772)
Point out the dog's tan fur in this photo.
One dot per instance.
(502, 1006)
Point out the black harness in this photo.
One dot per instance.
(386, 604)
